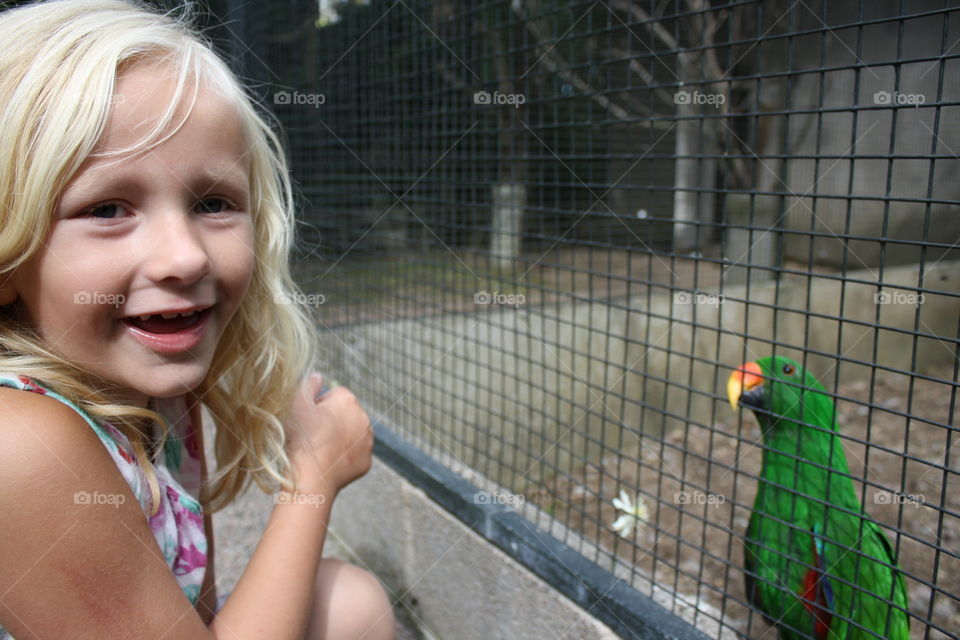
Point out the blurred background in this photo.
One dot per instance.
(537, 237)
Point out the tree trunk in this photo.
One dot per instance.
(694, 179)
(685, 179)
(757, 247)
(509, 201)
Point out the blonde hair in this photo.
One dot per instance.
(57, 90)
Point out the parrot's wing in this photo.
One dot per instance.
(750, 562)
(868, 581)
(778, 555)
(888, 584)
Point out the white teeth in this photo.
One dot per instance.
(167, 316)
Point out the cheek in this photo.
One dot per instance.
(238, 263)
(63, 279)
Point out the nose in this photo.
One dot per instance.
(174, 248)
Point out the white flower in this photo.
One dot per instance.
(632, 515)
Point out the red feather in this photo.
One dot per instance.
(814, 598)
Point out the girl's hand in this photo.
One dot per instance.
(329, 438)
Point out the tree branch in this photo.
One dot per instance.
(556, 63)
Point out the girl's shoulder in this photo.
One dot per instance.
(38, 434)
(106, 432)
(53, 412)
(181, 455)
(18, 407)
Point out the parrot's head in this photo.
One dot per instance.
(778, 387)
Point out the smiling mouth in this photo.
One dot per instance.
(159, 324)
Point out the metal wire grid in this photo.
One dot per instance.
(603, 378)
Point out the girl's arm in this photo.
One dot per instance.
(77, 554)
(281, 574)
(330, 444)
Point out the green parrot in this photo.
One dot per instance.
(814, 561)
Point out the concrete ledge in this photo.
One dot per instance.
(429, 552)
(453, 582)
(446, 582)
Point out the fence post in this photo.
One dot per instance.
(509, 199)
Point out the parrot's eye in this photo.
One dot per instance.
(788, 369)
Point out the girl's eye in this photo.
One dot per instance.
(213, 205)
(111, 210)
(788, 369)
(107, 211)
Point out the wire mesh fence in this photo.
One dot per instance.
(541, 238)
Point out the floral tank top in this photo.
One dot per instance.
(178, 524)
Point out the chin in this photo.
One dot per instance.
(172, 384)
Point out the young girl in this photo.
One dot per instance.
(145, 226)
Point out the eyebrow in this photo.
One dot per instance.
(233, 177)
(112, 176)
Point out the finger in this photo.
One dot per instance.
(314, 385)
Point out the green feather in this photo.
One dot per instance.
(807, 516)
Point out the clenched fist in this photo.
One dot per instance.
(329, 437)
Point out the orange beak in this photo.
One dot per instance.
(743, 379)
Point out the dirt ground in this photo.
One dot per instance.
(400, 286)
(699, 484)
(391, 287)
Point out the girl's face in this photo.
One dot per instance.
(165, 231)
